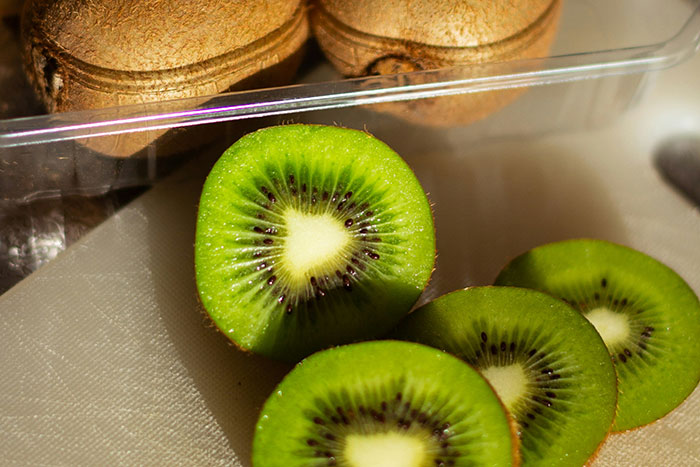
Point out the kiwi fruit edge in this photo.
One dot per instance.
(356, 53)
(268, 299)
(376, 388)
(650, 314)
(549, 366)
(66, 83)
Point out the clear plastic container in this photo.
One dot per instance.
(601, 59)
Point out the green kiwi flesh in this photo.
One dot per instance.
(545, 361)
(648, 317)
(381, 404)
(310, 236)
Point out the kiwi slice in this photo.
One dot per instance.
(647, 315)
(309, 236)
(382, 404)
(545, 361)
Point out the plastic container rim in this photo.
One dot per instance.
(352, 92)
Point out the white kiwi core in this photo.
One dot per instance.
(613, 327)
(510, 383)
(385, 450)
(313, 242)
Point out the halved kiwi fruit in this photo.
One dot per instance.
(647, 315)
(310, 236)
(547, 364)
(383, 403)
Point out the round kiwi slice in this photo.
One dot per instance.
(547, 364)
(381, 404)
(647, 315)
(310, 236)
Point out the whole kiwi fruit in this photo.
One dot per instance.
(82, 54)
(412, 35)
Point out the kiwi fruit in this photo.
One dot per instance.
(383, 403)
(105, 53)
(370, 37)
(546, 362)
(647, 315)
(310, 236)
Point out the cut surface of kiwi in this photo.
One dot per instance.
(547, 364)
(309, 236)
(383, 404)
(647, 315)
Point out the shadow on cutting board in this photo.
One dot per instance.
(234, 385)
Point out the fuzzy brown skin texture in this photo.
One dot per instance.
(357, 53)
(447, 23)
(89, 54)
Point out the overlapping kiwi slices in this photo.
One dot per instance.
(310, 236)
(647, 315)
(544, 360)
(382, 404)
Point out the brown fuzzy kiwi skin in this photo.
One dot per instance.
(356, 52)
(87, 55)
(447, 23)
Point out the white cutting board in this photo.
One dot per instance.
(106, 358)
